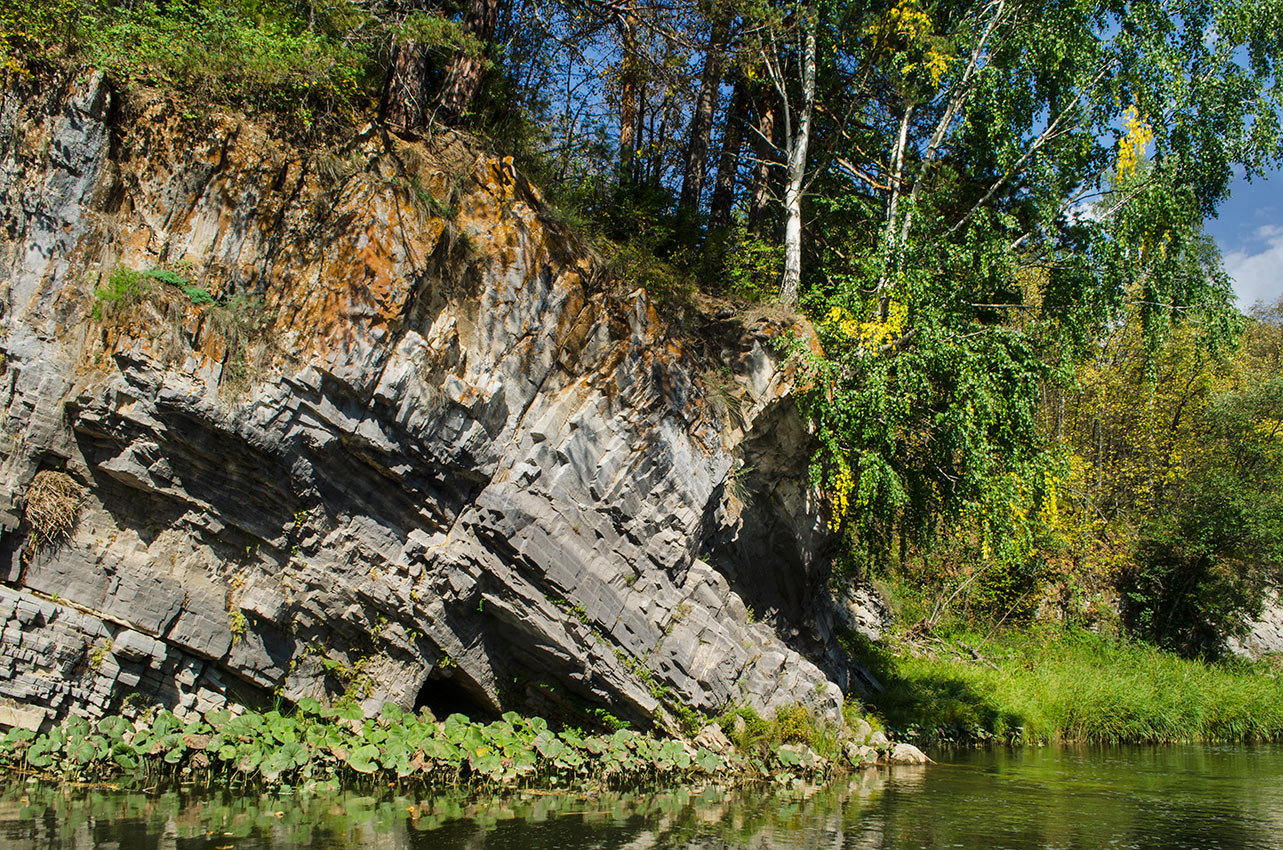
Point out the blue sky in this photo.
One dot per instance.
(1249, 232)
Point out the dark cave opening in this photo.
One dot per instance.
(447, 694)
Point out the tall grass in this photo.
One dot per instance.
(1043, 685)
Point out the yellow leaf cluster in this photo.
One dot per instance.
(868, 335)
(840, 487)
(933, 64)
(1049, 513)
(906, 28)
(1131, 147)
(904, 20)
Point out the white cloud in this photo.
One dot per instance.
(1258, 276)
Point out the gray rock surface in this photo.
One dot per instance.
(439, 462)
(1264, 634)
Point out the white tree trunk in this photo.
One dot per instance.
(797, 143)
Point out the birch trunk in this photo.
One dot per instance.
(629, 95)
(798, 142)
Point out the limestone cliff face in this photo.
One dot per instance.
(418, 448)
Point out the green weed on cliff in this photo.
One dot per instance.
(155, 303)
(126, 287)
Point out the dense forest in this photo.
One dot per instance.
(1030, 372)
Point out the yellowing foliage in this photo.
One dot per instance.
(869, 335)
(907, 29)
(905, 21)
(1131, 147)
(840, 488)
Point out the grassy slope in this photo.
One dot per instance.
(1045, 684)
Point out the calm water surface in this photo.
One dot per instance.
(1169, 797)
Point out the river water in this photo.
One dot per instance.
(1124, 797)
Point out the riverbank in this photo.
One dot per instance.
(1045, 684)
(1026, 798)
(316, 742)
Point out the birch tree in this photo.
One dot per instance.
(780, 47)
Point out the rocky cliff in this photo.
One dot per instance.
(359, 419)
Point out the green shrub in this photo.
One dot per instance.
(125, 288)
(751, 266)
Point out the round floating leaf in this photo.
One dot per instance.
(363, 758)
(124, 756)
(83, 752)
(114, 727)
(218, 718)
(38, 753)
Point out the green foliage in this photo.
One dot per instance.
(948, 302)
(126, 288)
(1047, 685)
(319, 741)
(324, 58)
(1203, 566)
(750, 266)
(265, 53)
(790, 724)
(939, 435)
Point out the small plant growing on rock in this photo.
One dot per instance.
(793, 724)
(99, 655)
(124, 289)
(53, 506)
(238, 625)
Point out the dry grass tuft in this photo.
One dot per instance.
(53, 504)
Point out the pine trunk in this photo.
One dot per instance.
(466, 71)
(404, 105)
(728, 162)
(629, 95)
(764, 152)
(702, 120)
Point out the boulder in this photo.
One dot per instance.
(908, 754)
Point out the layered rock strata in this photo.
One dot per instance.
(358, 419)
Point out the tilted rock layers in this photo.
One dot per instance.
(383, 430)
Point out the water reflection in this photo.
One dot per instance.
(1173, 797)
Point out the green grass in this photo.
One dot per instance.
(1049, 685)
(308, 59)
